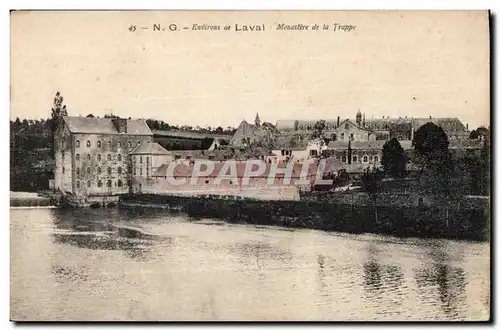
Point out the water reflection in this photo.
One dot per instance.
(383, 283)
(322, 276)
(450, 282)
(105, 230)
(113, 264)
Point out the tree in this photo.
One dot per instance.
(436, 166)
(394, 159)
(486, 166)
(430, 142)
(370, 181)
(90, 115)
(110, 115)
(349, 153)
(58, 111)
(295, 140)
(219, 130)
(319, 130)
(480, 131)
(473, 172)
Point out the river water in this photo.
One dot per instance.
(124, 266)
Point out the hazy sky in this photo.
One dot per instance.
(393, 64)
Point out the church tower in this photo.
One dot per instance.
(358, 117)
(257, 120)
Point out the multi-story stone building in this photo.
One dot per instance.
(92, 155)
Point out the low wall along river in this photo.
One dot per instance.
(465, 223)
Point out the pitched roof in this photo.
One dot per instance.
(270, 127)
(105, 126)
(150, 148)
(448, 124)
(353, 123)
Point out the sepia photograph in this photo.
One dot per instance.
(266, 166)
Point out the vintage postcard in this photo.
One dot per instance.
(250, 166)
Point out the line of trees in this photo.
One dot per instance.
(161, 125)
(32, 149)
(440, 171)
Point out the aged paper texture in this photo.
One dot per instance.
(250, 165)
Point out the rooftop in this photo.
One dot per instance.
(96, 125)
(150, 148)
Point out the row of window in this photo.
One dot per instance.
(109, 170)
(140, 159)
(99, 143)
(119, 183)
(140, 171)
(99, 170)
(364, 159)
(119, 157)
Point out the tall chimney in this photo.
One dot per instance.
(120, 124)
(364, 119)
(467, 126)
(338, 121)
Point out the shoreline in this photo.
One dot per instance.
(399, 221)
(469, 222)
(29, 199)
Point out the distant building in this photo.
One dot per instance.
(247, 133)
(299, 152)
(384, 128)
(147, 158)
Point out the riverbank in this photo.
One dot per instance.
(28, 199)
(401, 221)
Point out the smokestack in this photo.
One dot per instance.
(364, 118)
(338, 121)
(467, 126)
